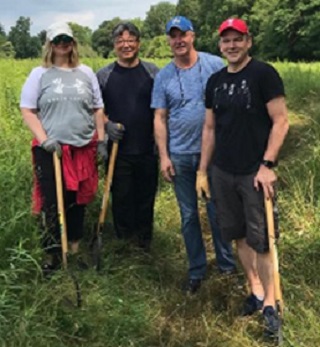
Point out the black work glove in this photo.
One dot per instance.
(102, 150)
(114, 130)
(52, 145)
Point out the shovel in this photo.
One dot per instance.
(96, 244)
(275, 264)
(63, 229)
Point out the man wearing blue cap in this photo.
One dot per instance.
(178, 97)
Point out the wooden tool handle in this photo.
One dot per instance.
(107, 183)
(273, 253)
(61, 210)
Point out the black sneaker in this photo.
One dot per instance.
(271, 321)
(251, 305)
(50, 267)
(191, 286)
(144, 245)
(78, 262)
(48, 270)
(82, 264)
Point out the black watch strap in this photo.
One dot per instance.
(268, 163)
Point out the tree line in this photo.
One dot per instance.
(281, 29)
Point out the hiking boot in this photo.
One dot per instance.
(271, 322)
(251, 305)
(191, 286)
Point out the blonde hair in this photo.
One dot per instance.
(48, 55)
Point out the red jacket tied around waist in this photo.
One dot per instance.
(79, 172)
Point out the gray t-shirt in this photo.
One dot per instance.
(65, 100)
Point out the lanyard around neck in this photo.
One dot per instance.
(183, 100)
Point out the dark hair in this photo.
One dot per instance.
(119, 29)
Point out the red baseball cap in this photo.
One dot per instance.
(235, 24)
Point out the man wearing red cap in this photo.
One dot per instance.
(245, 126)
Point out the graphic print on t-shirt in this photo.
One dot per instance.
(78, 85)
(237, 93)
(242, 122)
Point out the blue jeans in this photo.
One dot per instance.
(186, 166)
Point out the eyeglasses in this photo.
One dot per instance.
(62, 39)
(122, 42)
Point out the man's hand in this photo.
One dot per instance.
(102, 150)
(114, 130)
(266, 178)
(202, 185)
(167, 169)
(52, 145)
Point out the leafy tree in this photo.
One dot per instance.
(2, 31)
(190, 9)
(102, 37)
(138, 22)
(282, 29)
(86, 51)
(24, 45)
(158, 48)
(213, 13)
(42, 35)
(7, 50)
(3, 37)
(34, 50)
(289, 30)
(81, 33)
(156, 19)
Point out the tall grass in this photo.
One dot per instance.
(136, 300)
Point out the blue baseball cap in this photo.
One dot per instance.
(179, 22)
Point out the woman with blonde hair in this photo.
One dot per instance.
(62, 106)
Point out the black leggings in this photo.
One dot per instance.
(44, 170)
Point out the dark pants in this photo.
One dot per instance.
(134, 188)
(74, 213)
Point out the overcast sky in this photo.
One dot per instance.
(85, 12)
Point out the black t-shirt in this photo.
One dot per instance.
(242, 122)
(127, 99)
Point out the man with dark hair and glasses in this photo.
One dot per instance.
(178, 97)
(126, 87)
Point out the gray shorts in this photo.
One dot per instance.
(240, 209)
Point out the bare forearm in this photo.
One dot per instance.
(208, 140)
(161, 134)
(207, 147)
(276, 138)
(99, 121)
(34, 124)
(278, 113)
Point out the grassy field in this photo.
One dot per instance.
(136, 300)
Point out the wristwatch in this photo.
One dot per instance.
(268, 163)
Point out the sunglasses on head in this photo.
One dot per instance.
(62, 39)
